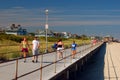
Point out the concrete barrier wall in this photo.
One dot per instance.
(70, 72)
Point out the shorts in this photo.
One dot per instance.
(24, 49)
(73, 49)
(59, 49)
(35, 52)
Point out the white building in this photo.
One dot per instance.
(16, 30)
(67, 35)
(43, 33)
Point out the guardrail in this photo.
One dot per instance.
(70, 72)
(90, 48)
(6, 53)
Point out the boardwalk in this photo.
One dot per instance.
(104, 66)
(112, 62)
(7, 70)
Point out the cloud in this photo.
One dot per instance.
(18, 7)
(18, 15)
(85, 23)
(36, 17)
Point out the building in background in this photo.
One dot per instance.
(2, 30)
(16, 30)
(40, 33)
(66, 34)
(108, 38)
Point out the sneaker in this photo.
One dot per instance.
(24, 61)
(33, 61)
(36, 61)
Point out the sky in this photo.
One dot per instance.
(90, 17)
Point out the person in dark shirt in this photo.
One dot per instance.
(60, 47)
(54, 46)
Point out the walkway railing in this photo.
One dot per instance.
(11, 52)
(66, 58)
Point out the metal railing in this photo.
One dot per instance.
(55, 61)
(90, 48)
(7, 51)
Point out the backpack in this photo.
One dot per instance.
(54, 46)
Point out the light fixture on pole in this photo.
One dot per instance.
(46, 28)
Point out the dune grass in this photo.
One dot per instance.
(10, 49)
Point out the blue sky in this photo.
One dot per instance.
(91, 17)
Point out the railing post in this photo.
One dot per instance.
(82, 50)
(41, 67)
(16, 73)
(77, 53)
(55, 60)
(64, 58)
(70, 58)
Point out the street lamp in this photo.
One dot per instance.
(46, 28)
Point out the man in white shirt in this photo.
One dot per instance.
(35, 49)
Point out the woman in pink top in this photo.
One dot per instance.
(24, 46)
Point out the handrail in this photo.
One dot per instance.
(19, 52)
(48, 64)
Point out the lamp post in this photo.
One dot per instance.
(46, 29)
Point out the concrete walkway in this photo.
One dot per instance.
(112, 62)
(103, 66)
(7, 70)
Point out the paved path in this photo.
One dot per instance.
(7, 70)
(112, 62)
(104, 66)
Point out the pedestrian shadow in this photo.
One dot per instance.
(94, 70)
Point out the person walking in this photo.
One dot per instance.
(60, 47)
(54, 46)
(73, 48)
(35, 49)
(24, 46)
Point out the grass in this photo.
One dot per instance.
(10, 49)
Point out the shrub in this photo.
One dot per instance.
(11, 37)
(3, 57)
(15, 55)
